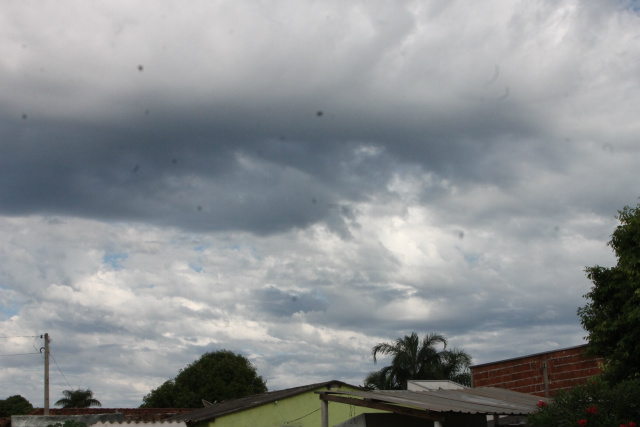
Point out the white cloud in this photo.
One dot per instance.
(300, 181)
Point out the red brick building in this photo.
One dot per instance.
(541, 374)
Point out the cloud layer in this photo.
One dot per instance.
(299, 182)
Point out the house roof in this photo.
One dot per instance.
(483, 400)
(130, 414)
(230, 406)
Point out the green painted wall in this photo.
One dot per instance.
(302, 410)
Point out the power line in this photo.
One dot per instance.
(290, 421)
(17, 354)
(54, 361)
(22, 336)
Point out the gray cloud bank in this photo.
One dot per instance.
(302, 181)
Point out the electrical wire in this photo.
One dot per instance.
(290, 421)
(16, 354)
(54, 361)
(33, 344)
(22, 336)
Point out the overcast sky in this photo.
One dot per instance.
(298, 181)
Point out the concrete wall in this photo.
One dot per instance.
(540, 374)
(429, 385)
(44, 421)
(130, 414)
(160, 423)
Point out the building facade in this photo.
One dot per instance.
(541, 374)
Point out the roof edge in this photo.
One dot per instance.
(528, 355)
(270, 397)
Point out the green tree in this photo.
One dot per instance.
(612, 315)
(415, 359)
(216, 376)
(78, 399)
(15, 405)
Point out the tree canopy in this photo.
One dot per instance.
(612, 315)
(15, 405)
(78, 399)
(415, 359)
(215, 377)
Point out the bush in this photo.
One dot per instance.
(594, 404)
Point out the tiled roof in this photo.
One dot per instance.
(230, 406)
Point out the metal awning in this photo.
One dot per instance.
(435, 404)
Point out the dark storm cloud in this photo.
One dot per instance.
(171, 160)
(200, 178)
(302, 180)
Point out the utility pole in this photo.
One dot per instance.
(46, 374)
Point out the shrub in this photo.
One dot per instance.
(594, 404)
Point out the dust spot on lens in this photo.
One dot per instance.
(507, 91)
(319, 113)
(294, 298)
(461, 235)
(314, 201)
(199, 208)
(174, 161)
(608, 147)
(24, 117)
(494, 77)
(136, 168)
(140, 68)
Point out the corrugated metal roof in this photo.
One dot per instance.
(484, 400)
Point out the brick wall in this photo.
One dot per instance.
(527, 374)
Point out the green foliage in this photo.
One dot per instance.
(594, 404)
(69, 423)
(15, 405)
(413, 359)
(78, 399)
(215, 377)
(612, 315)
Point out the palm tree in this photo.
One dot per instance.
(78, 399)
(413, 359)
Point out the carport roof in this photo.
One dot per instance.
(483, 400)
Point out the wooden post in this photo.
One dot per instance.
(324, 413)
